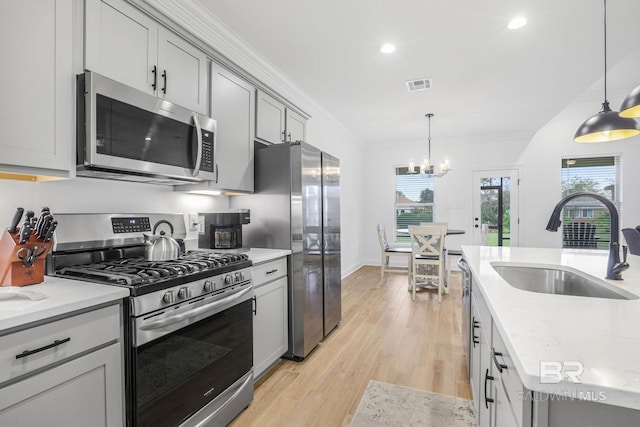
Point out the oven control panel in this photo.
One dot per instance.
(184, 293)
(131, 224)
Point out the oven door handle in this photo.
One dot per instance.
(211, 308)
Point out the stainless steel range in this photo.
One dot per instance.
(188, 323)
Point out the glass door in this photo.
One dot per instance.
(495, 207)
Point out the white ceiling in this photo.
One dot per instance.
(487, 80)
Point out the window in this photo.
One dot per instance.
(586, 221)
(413, 201)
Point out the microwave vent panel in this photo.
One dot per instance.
(420, 84)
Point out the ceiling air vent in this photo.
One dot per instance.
(420, 84)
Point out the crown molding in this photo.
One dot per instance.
(203, 27)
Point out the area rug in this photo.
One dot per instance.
(391, 405)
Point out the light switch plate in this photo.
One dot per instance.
(193, 221)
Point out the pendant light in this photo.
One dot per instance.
(606, 125)
(426, 168)
(631, 104)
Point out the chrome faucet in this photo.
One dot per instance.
(614, 266)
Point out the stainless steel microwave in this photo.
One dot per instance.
(130, 135)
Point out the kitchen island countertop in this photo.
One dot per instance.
(602, 334)
(62, 296)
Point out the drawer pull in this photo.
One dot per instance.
(46, 347)
(487, 400)
(275, 270)
(499, 365)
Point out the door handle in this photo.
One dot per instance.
(164, 76)
(155, 77)
(476, 339)
(196, 122)
(500, 366)
(487, 400)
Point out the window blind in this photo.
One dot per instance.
(586, 221)
(414, 201)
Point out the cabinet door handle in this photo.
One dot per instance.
(500, 366)
(275, 270)
(476, 339)
(289, 137)
(155, 77)
(164, 76)
(255, 306)
(46, 347)
(284, 137)
(487, 400)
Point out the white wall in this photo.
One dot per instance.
(538, 160)
(453, 192)
(87, 195)
(541, 186)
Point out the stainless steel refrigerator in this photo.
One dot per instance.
(296, 206)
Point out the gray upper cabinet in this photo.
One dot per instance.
(127, 45)
(270, 123)
(276, 123)
(295, 126)
(233, 108)
(37, 88)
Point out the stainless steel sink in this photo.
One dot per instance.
(558, 281)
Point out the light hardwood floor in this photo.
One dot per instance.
(383, 336)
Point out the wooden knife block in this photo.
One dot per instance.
(13, 272)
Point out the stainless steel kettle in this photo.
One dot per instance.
(161, 247)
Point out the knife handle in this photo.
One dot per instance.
(50, 230)
(16, 219)
(25, 232)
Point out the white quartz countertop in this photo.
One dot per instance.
(256, 255)
(262, 255)
(62, 296)
(602, 334)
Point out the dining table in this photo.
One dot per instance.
(450, 231)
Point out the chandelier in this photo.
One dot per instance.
(426, 168)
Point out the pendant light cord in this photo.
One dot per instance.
(429, 137)
(605, 51)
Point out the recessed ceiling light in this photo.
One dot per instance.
(517, 22)
(387, 48)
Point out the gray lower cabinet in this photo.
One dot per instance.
(498, 394)
(233, 107)
(82, 392)
(270, 328)
(481, 375)
(67, 372)
(500, 398)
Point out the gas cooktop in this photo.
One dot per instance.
(144, 276)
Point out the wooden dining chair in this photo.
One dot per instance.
(387, 250)
(427, 258)
(448, 253)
